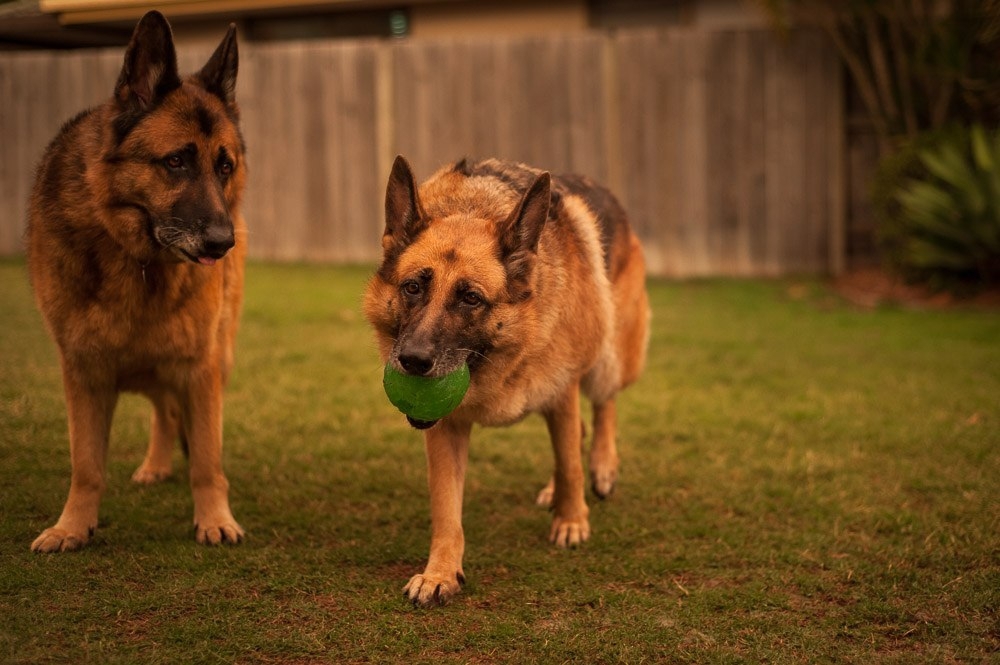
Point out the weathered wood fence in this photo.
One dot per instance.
(726, 147)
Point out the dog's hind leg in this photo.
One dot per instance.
(164, 430)
(603, 451)
(544, 498)
(631, 340)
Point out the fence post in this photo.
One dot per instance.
(837, 139)
(612, 114)
(384, 137)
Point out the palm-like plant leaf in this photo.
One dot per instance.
(951, 215)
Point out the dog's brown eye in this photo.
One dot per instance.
(472, 299)
(175, 161)
(411, 288)
(226, 168)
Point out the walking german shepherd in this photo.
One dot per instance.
(135, 251)
(539, 285)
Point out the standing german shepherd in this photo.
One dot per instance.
(135, 250)
(539, 285)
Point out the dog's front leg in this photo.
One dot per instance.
(447, 445)
(213, 520)
(90, 405)
(570, 526)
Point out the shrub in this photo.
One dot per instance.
(939, 198)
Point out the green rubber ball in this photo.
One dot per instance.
(425, 398)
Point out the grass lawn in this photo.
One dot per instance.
(802, 482)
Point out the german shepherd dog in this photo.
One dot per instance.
(538, 284)
(135, 250)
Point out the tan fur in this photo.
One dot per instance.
(114, 266)
(552, 316)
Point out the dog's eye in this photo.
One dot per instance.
(411, 288)
(226, 169)
(472, 299)
(174, 161)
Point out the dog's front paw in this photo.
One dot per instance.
(428, 590)
(218, 532)
(569, 532)
(57, 539)
(147, 474)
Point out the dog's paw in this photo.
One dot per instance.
(228, 532)
(148, 474)
(544, 498)
(569, 532)
(602, 481)
(56, 539)
(428, 590)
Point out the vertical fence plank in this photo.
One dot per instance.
(694, 223)
(812, 252)
(641, 118)
(750, 149)
(722, 123)
(361, 210)
(10, 164)
(835, 149)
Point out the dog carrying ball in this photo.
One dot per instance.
(425, 398)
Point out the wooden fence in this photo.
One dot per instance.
(726, 147)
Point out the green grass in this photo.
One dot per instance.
(802, 482)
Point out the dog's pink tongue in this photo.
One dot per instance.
(206, 260)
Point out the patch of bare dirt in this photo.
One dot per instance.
(872, 287)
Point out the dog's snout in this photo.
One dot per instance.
(416, 363)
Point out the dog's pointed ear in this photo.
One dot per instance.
(218, 76)
(149, 72)
(522, 229)
(404, 218)
(519, 234)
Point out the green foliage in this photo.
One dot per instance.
(941, 200)
(916, 66)
(801, 482)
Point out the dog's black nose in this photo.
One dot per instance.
(219, 239)
(414, 363)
